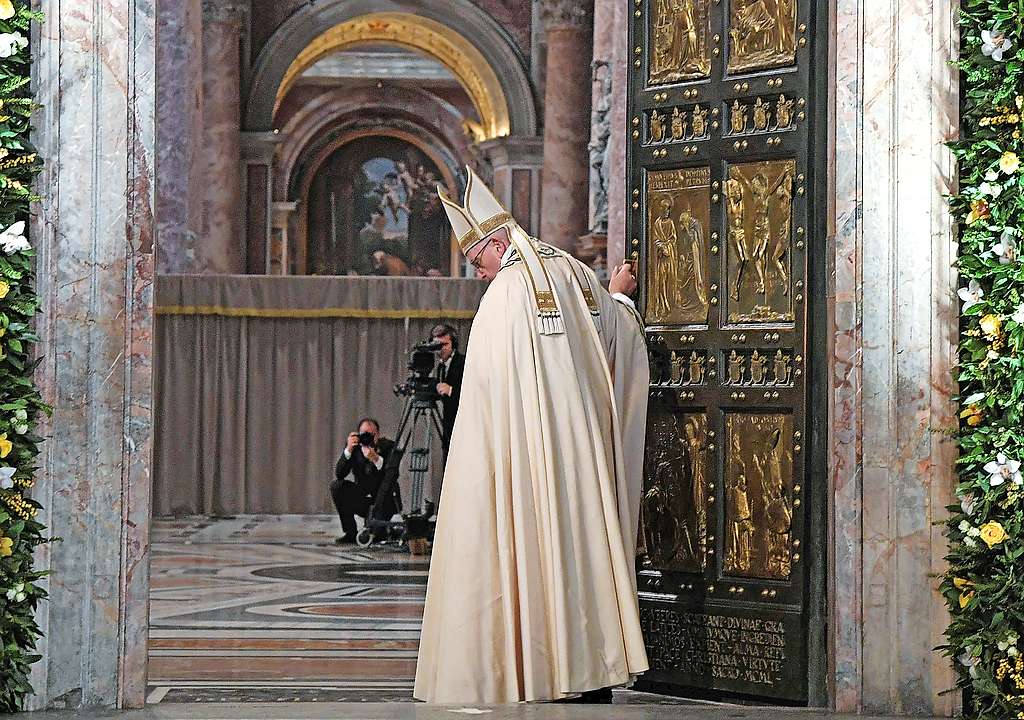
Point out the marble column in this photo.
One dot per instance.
(893, 315)
(93, 234)
(516, 168)
(568, 29)
(222, 248)
(181, 159)
(257, 155)
(611, 36)
(281, 219)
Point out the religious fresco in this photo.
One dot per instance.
(679, 208)
(374, 210)
(759, 220)
(762, 34)
(680, 31)
(675, 502)
(758, 495)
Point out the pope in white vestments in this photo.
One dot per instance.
(532, 592)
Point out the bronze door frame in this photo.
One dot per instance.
(682, 607)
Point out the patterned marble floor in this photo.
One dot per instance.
(269, 609)
(256, 609)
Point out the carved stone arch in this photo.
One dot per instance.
(468, 21)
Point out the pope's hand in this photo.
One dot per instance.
(622, 280)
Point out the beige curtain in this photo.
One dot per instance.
(258, 381)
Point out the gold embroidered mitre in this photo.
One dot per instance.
(478, 216)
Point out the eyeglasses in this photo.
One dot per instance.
(476, 259)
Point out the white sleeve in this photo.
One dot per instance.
(625, 300)
(347, 454)
(379, 462)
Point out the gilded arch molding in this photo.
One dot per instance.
(462, 36)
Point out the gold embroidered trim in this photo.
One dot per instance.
(471, 238)
(546, 301)
(491, 224)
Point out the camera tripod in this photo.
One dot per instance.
(420, 421)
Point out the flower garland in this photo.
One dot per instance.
(984, 585)
(20, 402)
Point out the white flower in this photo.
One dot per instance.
(1018, 315)
(972, 294)
(964, 526)
(17, 593)
(1002, 469)
(13, 238)
(994, 43)
(1012, 652)
(970, 662)
(1006, 248)
(11, 43)
(23, 414)
(21, 429)
(970, 542)
(989, 188)
(967, 503)
(992, 175)
(7, 478)
(974, 399)
(974, 532)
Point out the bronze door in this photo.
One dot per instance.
(721, 173)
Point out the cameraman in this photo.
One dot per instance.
(449, 376)
(365, 457)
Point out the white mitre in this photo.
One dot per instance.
(481, 215)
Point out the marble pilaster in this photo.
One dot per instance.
(515, 163)
(222, 248)
(568, 28)
(94, 79)
(894, 320)
(257, 155)
(181, 160)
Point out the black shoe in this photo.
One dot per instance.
(345, 540)
(603, 696)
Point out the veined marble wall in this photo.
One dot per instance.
(94, 237)
(893, 311)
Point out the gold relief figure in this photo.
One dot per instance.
(758, 364)
(761, 114)
(782, 368)
(695, 449)
(681, 48)
(759, 512)
(761, 34)
(678, 248)
(780, 245)
(694, 288)
(783, 113)
(700, 125)
(778, 512)
(696, 369)
(677, 369)
(738, 117)
(672, 525)
(657, 127)
(666, 266)
(737, 368)
(758, 204)
(678, 124)
(737, 230)
(741, 522)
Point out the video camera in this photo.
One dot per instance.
(420, 383)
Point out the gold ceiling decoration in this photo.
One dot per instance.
(428, 36)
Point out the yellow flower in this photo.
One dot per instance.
(965, 598)
(1009, 162)
(4, 287)
(961, 583)
(5, 446)
(973, 414)
(6, 547)
(979, 211)
(992, 533)
(7, 10)
(991, 325)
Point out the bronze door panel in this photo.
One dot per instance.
(721, 156)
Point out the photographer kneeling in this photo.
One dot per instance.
(366, 458)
